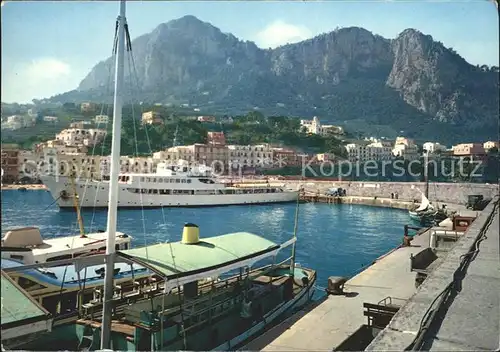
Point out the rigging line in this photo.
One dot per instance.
(108, 85)
(131, 56)
(179, 293)
(135, 75)
(51, 204)
(141, 195)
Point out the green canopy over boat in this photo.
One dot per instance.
(209, 256)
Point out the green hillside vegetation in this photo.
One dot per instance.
(252, 128)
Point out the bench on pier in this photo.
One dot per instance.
(379, 315)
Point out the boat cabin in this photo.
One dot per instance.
(66, 289)
(23, 318)
(194, 313)
(26, 245)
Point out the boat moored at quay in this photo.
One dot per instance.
(170, 186)
(27, 246)
(209, 294)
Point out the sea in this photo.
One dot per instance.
(333, 239)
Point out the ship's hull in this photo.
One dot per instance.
(423, 218)
(95, 195)
(70, 335)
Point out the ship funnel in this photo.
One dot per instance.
(190, 234)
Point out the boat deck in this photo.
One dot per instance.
(116, 326)
(21, 315)
(333, 320)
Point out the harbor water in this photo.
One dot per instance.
(335, 240)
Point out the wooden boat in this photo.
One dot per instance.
(66, 288)
(252, 292)
(193, 313)
(27, 245)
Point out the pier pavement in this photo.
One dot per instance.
(333, 320)
(469, 317)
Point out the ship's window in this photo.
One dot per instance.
(117, 247)
(155, 191)
(160, 180)
(17, 257)
(154, 179)
(177, 180)
(142, 179)
(59, 257)
(188, 181)
(102, 248)
(183, 181)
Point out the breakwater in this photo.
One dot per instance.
(374, 201)
(455, 193)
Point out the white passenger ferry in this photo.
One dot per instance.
(170, 186)
(27, 246)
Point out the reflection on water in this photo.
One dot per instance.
(333, 239)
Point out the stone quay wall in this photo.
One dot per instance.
(455, 193)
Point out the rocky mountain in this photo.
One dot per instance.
(349, 76)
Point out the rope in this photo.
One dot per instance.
(51, 204)
(108, 107)
(134, 73)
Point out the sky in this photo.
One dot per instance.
(48, 47)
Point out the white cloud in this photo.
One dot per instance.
(280, 33)
(40, 78)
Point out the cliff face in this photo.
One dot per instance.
(438, 81)
(346, 75)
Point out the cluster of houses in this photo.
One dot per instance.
(69, 151)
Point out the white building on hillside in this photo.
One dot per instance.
(250, 155)
(101, 119)
(433, 147)
(77, 136)
(314, 126)
(405, 148)
(380, 150)
(16, 122)
(363, 152)
(357, 152)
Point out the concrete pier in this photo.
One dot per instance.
(471, 321)
(374, 201)
(455, 193)
(469, 317)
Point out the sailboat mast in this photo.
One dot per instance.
(295, 226)
(113, 182)
(426, 173)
